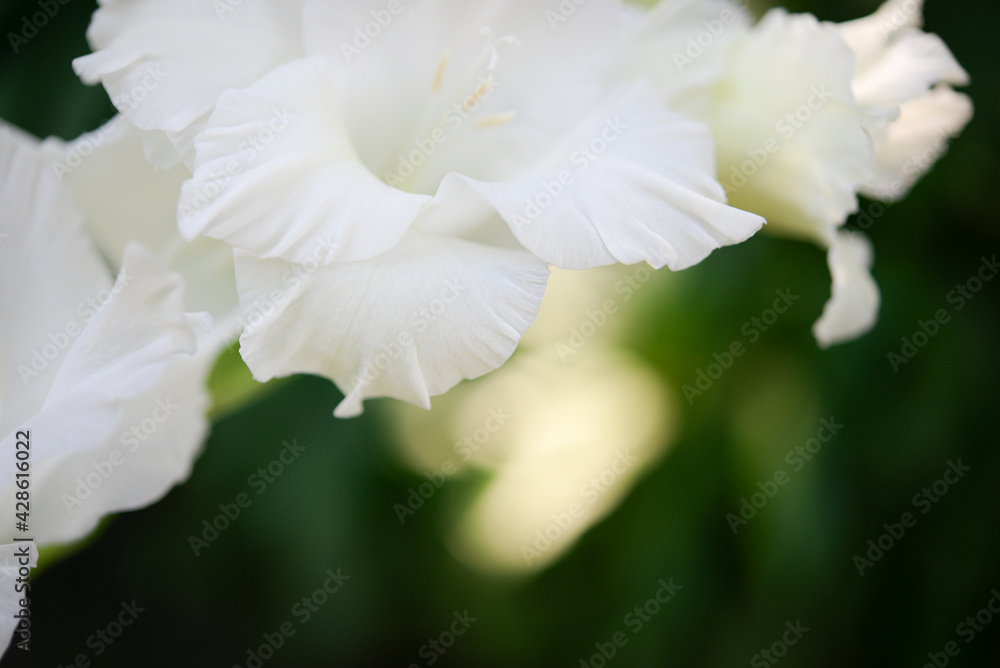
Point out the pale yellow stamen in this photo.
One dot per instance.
(496, 120)
(439, 71)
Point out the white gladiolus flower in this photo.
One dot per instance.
(805, 116)
(394, 195)
(103, 374)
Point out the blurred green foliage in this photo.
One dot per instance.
(333, 507)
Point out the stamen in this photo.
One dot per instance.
(439, 71)
(496, 120)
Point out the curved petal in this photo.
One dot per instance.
(854, 303)
(683, 47)
(151, 448)
(910, 145)
(164, 63)
(124, 350)
(635, 183)
(792, 147)
(409, 324)
(42, 246)
(896, 60)
(277, 176)
(903, 78)
(124, 347)
(101, 351)
(124, 199)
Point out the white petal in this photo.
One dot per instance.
(902, 79)
(123, 349)
(792, 147)
(124, 199)
(409, 324)
(100, 352)
(433, 55)
(896, 61)
(854, 303)
(909, 66)
(910, 145)
(151, 449)
(125, 358)
(164, 63)
(867, 36)
(683, 46)
(636, 183)
(12, 560)
(48, 271)
(276, 176)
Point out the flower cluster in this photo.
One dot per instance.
(375, 192)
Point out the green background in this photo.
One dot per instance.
(333, 508)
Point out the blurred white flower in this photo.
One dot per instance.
(394, 196)
(559, 436)
(581, 434)
(103, 373)
(806, 115)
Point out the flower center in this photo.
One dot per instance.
(453, 109)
